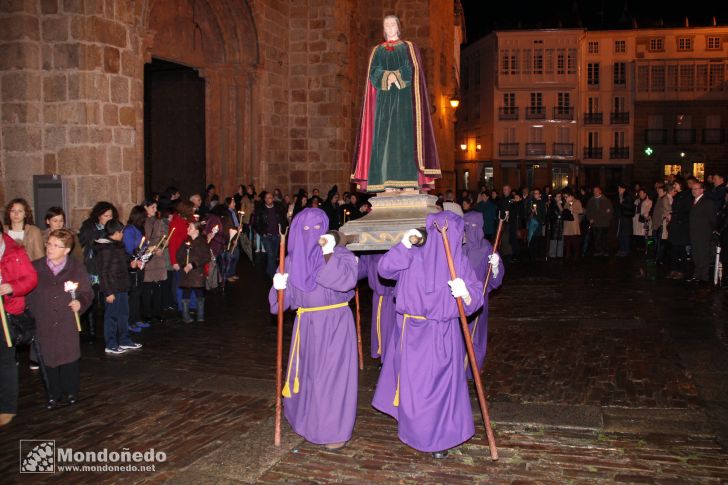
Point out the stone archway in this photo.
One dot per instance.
(219, 38)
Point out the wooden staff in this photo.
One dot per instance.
(358, 330)
(496, 245)
(279, 350)
(6, 329)
(469, 347)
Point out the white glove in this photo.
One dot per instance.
(459, 290)
(406, 239)
(494, 261)
(328, 248)
(280, 281)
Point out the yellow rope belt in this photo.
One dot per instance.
(379, 325)
(401, 346)
(296, 348)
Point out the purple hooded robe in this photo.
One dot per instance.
(477, 249)
(422, 383)
(321, 373)
(383, 314)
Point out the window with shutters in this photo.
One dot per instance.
(592, 74)
(593, 47)
(713, 43)
(620, 46)
(571, 61)
(657, 44)
(657, 78)
(687, 77)
(620, 73)
(685, 44)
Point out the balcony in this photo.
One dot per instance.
(655, 137)
(508, 149)
(508, 113)
(684, 136)
(593, 118)
(564, 149)
(594, 153)
(535, 113)
(619, 118)
(535, 149)
(618, 153)
(564, 113)
(713, 136)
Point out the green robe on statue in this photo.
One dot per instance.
(393, 143)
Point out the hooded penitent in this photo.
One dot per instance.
(304, 251)
(422, 383)
(320, 384)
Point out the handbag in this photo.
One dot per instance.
(22, 328)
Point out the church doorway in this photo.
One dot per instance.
(174, 128)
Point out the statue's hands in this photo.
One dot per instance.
(392, 79)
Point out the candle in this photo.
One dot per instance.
(70, 287)
(141, 243)
(188, 253)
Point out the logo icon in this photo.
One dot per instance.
(37, 456)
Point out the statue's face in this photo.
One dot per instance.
(391, 29)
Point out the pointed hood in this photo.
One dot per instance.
(304, 252)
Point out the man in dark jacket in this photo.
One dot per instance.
(599, 213)
(626, 213)
(702, 224)
(717, 195)
(678, 230)
(270, 218)
(113, 263)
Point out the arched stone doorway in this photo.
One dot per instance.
(219, 39)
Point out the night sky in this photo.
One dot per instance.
(482, 16)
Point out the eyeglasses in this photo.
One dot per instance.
(50, 245)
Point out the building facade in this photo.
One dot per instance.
(681, 102)
(559, 107)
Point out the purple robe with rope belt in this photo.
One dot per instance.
(383, 312)
(321, 372)
(422, 383)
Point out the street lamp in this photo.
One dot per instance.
(454, 102)
(463, 146)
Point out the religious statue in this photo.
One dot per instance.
(395, 147)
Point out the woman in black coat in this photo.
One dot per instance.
(91, 230)
(53, 308)
(192, 256)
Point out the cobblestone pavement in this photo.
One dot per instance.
(597, 371)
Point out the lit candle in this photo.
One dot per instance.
(188, 253)
(141, 243)
(70, 287)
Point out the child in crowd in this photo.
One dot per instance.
(113, 264)
(192, 257)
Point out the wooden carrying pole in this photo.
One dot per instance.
(279, 349)
(358, 330)
(496, 245)
(471, 351)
